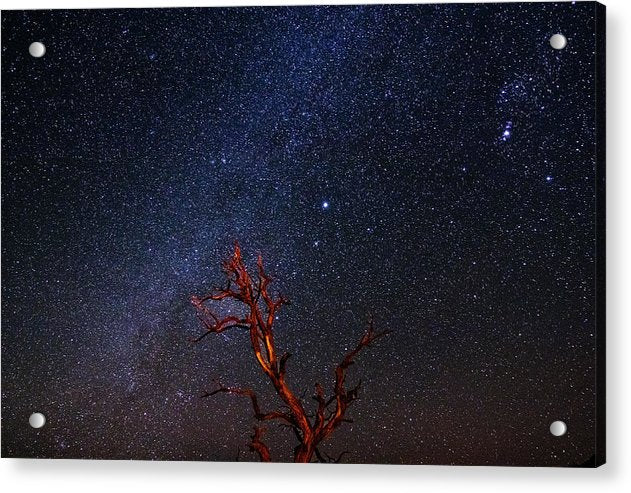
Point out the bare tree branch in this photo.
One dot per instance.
(258, 446)
(258, 414)
(262, 308)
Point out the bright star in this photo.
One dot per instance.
(549, 178)
(508, 127)
(325, 205)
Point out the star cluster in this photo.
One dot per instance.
(432, 164)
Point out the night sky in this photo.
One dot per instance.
(432, 164)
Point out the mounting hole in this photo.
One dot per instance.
(558, 428)
(37, 49)
(558, 41)
(37, 420)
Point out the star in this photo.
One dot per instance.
(507, 131)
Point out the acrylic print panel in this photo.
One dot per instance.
(423, 186)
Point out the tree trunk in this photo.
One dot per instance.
(304, 453)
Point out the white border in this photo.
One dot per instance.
(106, 476)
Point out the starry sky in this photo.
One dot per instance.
(433, 164)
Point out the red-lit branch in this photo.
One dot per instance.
(258, 446)
(262, 308)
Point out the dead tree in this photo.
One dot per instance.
(260, 313)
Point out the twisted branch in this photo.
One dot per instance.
(258, 446)
(262, 307)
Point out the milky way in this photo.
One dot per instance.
(434, 165)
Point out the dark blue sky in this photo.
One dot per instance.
(434, 164)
